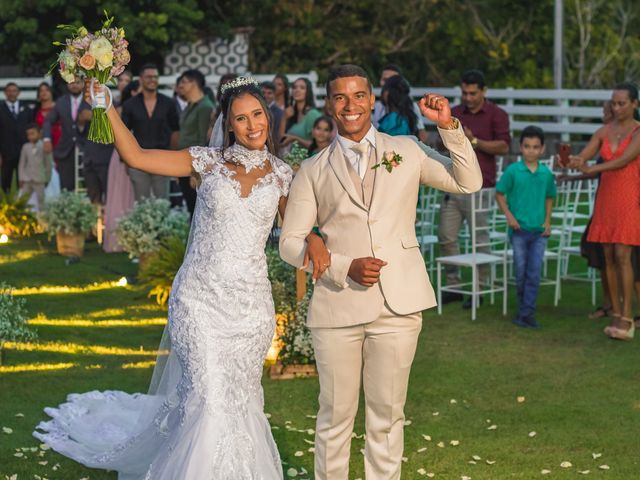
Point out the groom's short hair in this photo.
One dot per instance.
(347, 70)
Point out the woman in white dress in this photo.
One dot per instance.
(203, 416)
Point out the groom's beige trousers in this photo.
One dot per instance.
(381, 353)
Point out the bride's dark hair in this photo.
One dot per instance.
(226, 100)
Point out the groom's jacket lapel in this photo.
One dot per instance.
(381, 173)
(338, 164)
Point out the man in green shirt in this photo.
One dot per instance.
(194, 124)
(529, 188)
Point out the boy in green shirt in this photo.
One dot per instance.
(529, 188)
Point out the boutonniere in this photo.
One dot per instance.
(390, 160)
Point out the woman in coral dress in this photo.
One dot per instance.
(616, 217)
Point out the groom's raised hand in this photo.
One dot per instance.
(436, 108)
(366, 271)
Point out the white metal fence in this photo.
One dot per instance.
(562, 112)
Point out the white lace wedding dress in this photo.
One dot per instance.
(203, 418)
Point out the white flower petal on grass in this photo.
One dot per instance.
(584, 472)
(407, 423)
(472, 462)
(596, 455)
(275, 427)
(492, 427)
(435, 414)
(423, 449)
(520, 399)
(287, 422)
(464, 477)
(13, 477)
(454, 443)
(298, 454)
(311, 450)
(362, 451)
(426, 437)
(405, 459)
(453, 401)
(292, 472)
(566, 464)
(545, 472)
(422, 471)
(310, 431)
(532, 434)
(44, 446)
(477, 457)
(18, 454)
(268, 415)
(19, 415)
(44, 462)
(431, 474)
(604, 467)
(311, 416)
(490, 462)
(441, 444)
(7, 430)
(307, 441)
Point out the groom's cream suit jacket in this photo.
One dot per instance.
(325, 193)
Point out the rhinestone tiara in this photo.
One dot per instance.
(237, 83)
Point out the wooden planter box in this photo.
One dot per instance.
(70, 245)
(281, 372)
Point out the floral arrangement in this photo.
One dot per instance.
(13, 318)
(149, 222)
(102, 55)
(70, 213)
(296, 155)
(161, 268)
(16, 215)
(296, 346)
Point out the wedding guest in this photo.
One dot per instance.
(179, 98)
(300, 115)
(124, 79)
(322, 134)
(616, 209)
(487, 127)
(67, 111)
(525, 195)
(153, 119)
(120, 197)
(281, 93)
(44, 104)
(400, 118)
(269, 94)
(380, 110)
(194, 125)
(34, 167)
(14, 117)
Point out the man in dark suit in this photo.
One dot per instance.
(269, 94)
(67, 110)
(14, 118)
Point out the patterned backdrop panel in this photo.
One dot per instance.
(212, 57)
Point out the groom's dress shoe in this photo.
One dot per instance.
(448, 297)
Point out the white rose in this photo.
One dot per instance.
(67, 76)
(102, 51)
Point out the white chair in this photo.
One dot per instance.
(481, 202)
(570, 234)
(425, 225)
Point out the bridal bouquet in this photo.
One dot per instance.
(102, 56)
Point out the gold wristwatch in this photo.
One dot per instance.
(453, 124)
(474, 142)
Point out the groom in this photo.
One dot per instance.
(365, 314)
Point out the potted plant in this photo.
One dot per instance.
(70, 217)
(161, 267)
(149, 222)
(296, 356)
(296, 156)
(13, 319)
(16, 215)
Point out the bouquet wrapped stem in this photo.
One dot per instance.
(100, 130)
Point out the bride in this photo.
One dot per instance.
(203, 416)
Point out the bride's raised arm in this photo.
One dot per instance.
(170, 163)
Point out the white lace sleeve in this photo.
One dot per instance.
(203, 159)
(284, 174)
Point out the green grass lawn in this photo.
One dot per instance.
(581, 390)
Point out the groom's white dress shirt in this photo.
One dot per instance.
(352, 156)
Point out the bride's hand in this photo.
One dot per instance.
(97, 88)
(317, 253)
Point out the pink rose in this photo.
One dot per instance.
(88, 62)
(394, 163)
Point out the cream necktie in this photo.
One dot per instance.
(362, 149)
